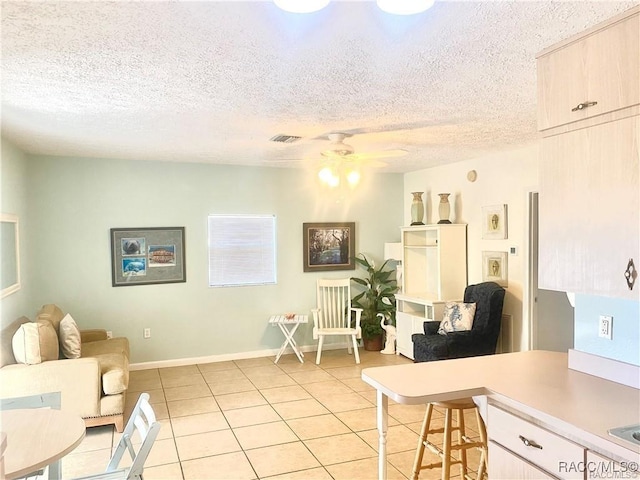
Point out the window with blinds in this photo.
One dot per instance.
(242, 250)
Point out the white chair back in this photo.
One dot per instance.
(143, 421)
(334, 303)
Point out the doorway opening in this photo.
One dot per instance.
(550, 315)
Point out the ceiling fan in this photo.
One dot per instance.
(339, 160)
(339, 150)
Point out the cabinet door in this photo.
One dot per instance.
(589, 209)
(598, 466)
(602, 67)
(538, 446)
(504, 465)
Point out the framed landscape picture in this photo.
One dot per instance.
(329, 246)
(146, 256)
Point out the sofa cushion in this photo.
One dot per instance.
(35, 342)
(69, 334)
(50, 313)
(6, 338)
(458, 317)
(114, 368)
(111, 345)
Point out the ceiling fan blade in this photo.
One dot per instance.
(389, 127)
(380, 154)
(375, 163)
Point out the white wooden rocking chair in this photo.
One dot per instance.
(333, 315)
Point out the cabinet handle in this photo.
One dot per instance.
(631, 273)
(582, 106)
(530, 443)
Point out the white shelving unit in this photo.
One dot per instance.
(435, 271)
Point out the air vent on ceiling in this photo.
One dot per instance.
(285, 138)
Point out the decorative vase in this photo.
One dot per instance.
(417, 209)
(444, 208)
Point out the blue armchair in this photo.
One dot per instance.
(480, 340)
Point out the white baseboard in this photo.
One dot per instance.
(180, 362)
(614, 370)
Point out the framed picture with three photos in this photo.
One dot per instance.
(147, 256)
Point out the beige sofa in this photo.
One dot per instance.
(92, 386)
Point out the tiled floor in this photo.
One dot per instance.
(253, 419)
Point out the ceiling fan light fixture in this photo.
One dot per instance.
(338, 150)
(329, 177)
(404, 7)
(301, 6)
(353, 177)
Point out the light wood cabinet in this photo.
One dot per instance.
(598, 466)
(504, 465)
(434, 271)
(533, 445)
(590, 160)
(589, 209)
(602, 65)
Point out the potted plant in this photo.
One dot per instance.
(375, 296)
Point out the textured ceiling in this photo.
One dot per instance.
(213, 81)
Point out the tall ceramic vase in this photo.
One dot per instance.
(417, 209)
(444, 208)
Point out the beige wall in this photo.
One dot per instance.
(502, 178)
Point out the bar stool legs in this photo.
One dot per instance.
(447, 460)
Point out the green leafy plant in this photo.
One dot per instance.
(375, 296)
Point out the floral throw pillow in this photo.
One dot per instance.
(458, 316)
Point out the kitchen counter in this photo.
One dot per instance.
(536, 384)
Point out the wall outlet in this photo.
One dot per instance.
(147, 333)
(605, 326)
(109, 334)
(513, 250)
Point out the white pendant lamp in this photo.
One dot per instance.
(405, 7)
(301, 6)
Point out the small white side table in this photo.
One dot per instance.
(289, 327)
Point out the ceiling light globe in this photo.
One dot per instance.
(404, 7)
(353, 177)
(325, 175)
(301, 6)
(334, 181)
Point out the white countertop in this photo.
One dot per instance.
(536, 383)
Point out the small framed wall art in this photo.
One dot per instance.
(494, 222)
(495, 268)
(329, 246)
(146, 256)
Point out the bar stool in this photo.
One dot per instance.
(448, 448)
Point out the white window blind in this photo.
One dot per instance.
(242, 250)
